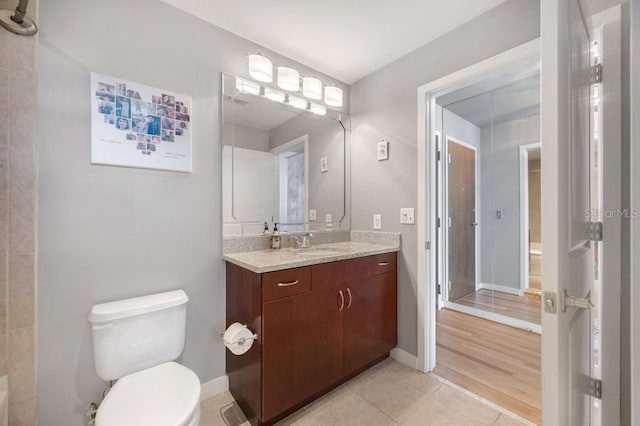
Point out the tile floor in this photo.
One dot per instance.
(387, 394)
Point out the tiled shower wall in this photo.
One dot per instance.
(18, 197)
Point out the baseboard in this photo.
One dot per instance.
(214, 387)
(501, 288)
(405, 358)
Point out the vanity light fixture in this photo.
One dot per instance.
(274, 95)
(247, 86)
(299, 103)
(318, 109)
(333, 96)
(288, 79)
(312, 88)
(260, 68)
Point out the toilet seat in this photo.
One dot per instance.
(167, 394)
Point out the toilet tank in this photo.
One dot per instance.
(133, 334)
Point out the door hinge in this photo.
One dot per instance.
(449, 221)
(449, 158)
(438, 223)
(594, 231)
(438, 289)
(449, 286)
(438, 155)
(427, 245)
(596, 388)
(596, 74)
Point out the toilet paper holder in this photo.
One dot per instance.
(242, 340)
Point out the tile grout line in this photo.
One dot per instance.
(484, 401)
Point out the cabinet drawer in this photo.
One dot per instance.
(335, 273)
(285, 283)
(382, 263)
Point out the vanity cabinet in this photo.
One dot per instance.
(318, 326)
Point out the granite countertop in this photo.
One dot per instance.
(262, 261)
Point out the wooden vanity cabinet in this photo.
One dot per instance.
(318, 326)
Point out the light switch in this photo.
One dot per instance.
(377, 221)
(328, 218)
(407, 216)
(312, 215)
(324, 165)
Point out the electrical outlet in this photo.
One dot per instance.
(312, 215)
(328, 218)
(407, 216)
(377, 221)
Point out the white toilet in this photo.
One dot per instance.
(135, 342)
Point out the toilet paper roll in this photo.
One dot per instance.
(238, 338)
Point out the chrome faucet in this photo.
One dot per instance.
(303, 241)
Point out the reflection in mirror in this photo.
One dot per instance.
(281, 163)
(490, 133)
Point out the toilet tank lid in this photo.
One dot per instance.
(136, 306)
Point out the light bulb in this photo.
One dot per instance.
(274, 95)
(247, 86)
(333, 96)
(312, 88)
(260, 68)
(288, 79)
(297, 102)
(318, 109)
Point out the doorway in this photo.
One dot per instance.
(530, 220)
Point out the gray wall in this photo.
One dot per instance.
(107, 233)
(500, 168)
(246, 137)
(384, 105)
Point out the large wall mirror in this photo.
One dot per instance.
(281, 164)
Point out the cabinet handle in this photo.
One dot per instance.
(350, 298)
(289, 284)
(341, 301)
(383, 263)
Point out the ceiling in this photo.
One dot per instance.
(509, 96)
(346, 40)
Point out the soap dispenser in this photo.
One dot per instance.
(266, 229)
(275, 237)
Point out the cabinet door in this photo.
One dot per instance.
(302, 348)
(370, 320)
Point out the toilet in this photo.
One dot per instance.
(136, 341)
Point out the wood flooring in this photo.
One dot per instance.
(497, 362)
(511, 305)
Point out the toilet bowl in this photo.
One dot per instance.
(135, 342)
(167, 394)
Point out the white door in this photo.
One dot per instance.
(581, 176)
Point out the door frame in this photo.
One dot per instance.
(444, 248)
(276, 151)
(426, 212)
(524, 213)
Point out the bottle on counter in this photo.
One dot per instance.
(275, 237)
(266, 229)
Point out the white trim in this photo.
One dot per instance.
(524, 212)
(482, 400)
(501, 288)
(214, 387)
(426, 195)
(404, 357)
(445, 196)
(492, 316)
